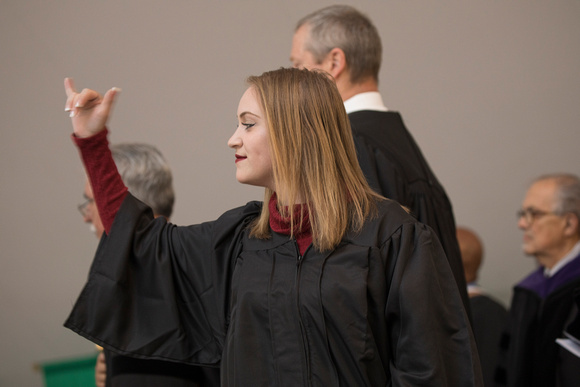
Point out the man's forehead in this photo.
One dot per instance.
(541, 195)
(299, 43)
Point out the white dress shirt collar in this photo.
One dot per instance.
(564, 261)
(370, 100)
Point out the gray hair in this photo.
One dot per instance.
(344, 27)
(146, 174)
(568, 194)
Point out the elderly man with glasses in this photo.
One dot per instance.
(543, 302)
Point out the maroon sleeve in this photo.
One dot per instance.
(108, 187)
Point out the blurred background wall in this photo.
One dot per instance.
(489, 89)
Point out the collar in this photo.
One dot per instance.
(473, 289)
(281, 224)
(302, 231)
(370, 100)
(564, 261)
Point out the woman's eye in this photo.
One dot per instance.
(248, 126)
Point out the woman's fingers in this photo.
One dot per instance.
(85, 100)
(88, 109)
(69, 86)
(70, 91)
(109, 99)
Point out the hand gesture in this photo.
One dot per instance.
(89, 110)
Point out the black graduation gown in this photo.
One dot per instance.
(380, 309)
(125, 371)
(395, 167)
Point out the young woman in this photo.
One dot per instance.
(324, 284)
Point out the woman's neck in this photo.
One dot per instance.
(298, 225)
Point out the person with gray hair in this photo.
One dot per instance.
(344, 42)
(543, 303)
(148, 177)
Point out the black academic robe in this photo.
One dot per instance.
(570, 362)
(380, 309)
(540, 311)
(489, 321)
(395, 167)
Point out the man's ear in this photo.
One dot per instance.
(572, 226)
(337, 62)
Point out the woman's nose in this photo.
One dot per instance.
(235, 141)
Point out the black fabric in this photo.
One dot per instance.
(125, 371)
(569, 368)
(573, 329)
(489, 321)
(395, 167)
(380, 309)
(530, 356)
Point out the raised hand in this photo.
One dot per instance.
(89, 110)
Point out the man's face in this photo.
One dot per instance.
(543, 230)
(90, 213)
(300, 57)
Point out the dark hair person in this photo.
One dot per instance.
(326, 283)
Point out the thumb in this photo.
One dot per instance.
(109, 98)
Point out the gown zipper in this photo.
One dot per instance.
(302, 330)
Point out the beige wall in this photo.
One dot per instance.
(489, 89)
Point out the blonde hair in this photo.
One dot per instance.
(313, 155)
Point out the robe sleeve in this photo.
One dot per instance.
(159, 291)
(430, 336)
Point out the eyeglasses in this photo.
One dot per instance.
(531, 214)
(84, 206)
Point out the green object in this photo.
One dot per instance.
(75, 372)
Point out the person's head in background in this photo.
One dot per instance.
(471, 252)
(550, 218)
(146, 174)
(343, 42)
